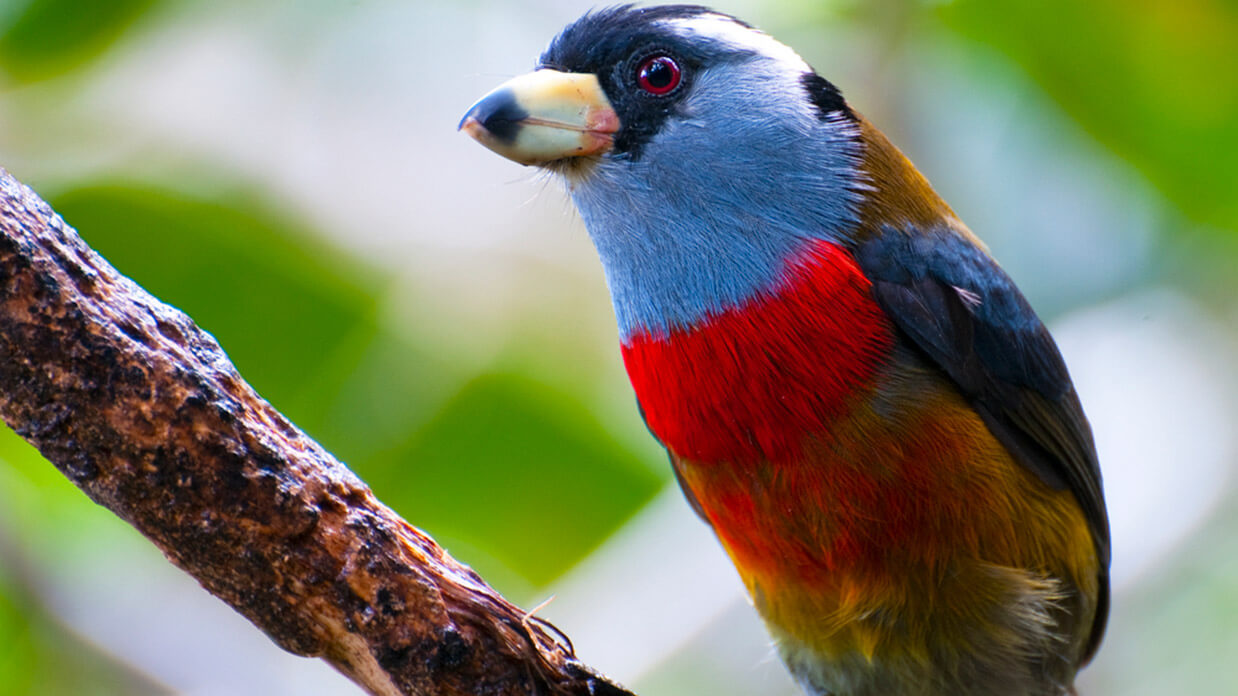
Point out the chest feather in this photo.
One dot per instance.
(751, 382)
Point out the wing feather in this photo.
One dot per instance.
(962, 310)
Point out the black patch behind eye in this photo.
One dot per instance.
(825, 96)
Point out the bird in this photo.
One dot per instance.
(853, 394)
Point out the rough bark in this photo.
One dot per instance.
(144, 412)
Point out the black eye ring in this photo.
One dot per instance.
(659, 75)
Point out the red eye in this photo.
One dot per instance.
(658, 75)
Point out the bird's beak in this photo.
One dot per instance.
(544, 116)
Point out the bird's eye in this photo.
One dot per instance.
(658, 75)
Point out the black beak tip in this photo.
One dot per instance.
(499, 113)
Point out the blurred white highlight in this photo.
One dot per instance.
(1156, 379)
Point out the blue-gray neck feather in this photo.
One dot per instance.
(708, 214)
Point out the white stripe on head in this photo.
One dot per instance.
(728, 32)
(774, 72)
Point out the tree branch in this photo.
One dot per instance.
(142, 410)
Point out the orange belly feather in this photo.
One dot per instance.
(887, 526)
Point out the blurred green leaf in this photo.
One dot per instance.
(504, 465)
(519, 470)
(1154, 80)
(18, 654)
(296, 317)
(49, 37)
(293, 315)
(41, 658)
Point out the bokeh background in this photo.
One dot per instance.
(289, 174)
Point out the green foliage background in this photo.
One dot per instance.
(512, 464)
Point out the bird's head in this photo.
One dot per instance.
(700, 152)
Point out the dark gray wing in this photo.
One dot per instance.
(962, 310)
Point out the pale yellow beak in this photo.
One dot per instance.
(544, 116)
